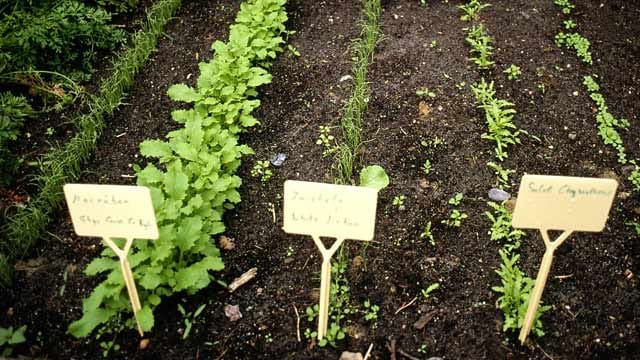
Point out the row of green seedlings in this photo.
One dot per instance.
(341, 306)
(195, 181)
(63, 164)
(608, 125)
(515, 287)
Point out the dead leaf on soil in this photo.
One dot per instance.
(424, 320)
(30, 266)
(424, 109)
(226, 243)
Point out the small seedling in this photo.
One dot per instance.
(290, 251)
(569, 24)
(293, 50)
(502, 174)
(432, 144)
(431, 288)
(461, 85)
(426, 167)
(398, 201)
(542, 88)
(565, 5)
(471, 9)
(261, 170)
(425, 92)
(635, 179)
(513, 71)
(427, 234)
(371, 311)
(455, 218)
(422, 349)
(189, 319)
(424, 3)
(481, 48)
(434, 44)
(577, 42)
(456, 199)
(107, 347)
(9, 337)
(50, 131)
(327, 140)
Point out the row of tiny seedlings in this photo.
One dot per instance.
(346, 158)
(515, 287)
(198, 181)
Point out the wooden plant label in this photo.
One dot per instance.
(114, 211)
(559, 203)
(338, 211)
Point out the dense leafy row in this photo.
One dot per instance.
(199, 181)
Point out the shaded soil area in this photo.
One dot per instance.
(593, 286)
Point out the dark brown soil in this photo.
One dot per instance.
(593, 286)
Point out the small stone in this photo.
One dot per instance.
(575, 93)
(345, 78)
(498, 195)
(233, 312)
(572, 136)
(623, 195)
(636, 210)
(347, 355)
(278, 159)
(511, 204)
(226, 243)
(144, 343)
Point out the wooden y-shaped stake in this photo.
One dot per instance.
(545, 266)
(325, 283)
(128, 276)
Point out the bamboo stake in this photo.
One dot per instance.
(541, 279)
(325, 283)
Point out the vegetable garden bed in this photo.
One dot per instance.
(421, 107)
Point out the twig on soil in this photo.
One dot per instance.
(243, 279)
(406, 305)
(366, 356)
(297, 322)
(409, 356)
(222, 354)
(306, 262)
(391, 346)
(127, 176)
(561, 277)
(544, 352)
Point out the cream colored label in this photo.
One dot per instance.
(111, 210)
(339, 211)
(563, 203)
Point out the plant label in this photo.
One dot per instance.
(114, 211)
(561, 202)
(339, 211)
(111, 210)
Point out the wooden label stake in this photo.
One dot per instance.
(338, 211)
(116, 211)
(559, 203)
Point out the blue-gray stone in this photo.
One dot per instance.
(498, 195)
(278, 159)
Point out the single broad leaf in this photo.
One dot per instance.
(182, 92)
(89, 321)
(18, 336)
(150, 174)
(99, 265)
(374, 177)
(188, 232)
(150, 281)
(145, 317)
(155, 148)
(176, 182)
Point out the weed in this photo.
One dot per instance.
(398, 201)
(516, 290)
(189, 318)
(427, 234)
(426, 167)
(513, 71)
(577, 42)
(261, 170)
(426, 292)
(370, 311)
(425, 92)
(471, 9)
(10, 337)
(455, 218)
(481, 49)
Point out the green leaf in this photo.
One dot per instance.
(150, 175)
(89, 321)
(374, 177)
(182, 92)
(155, 148)
(99, 265)
(188, 233)
(18, 336)
(145, 317)
(176, 183)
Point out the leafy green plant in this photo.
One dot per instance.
(9, 337)
(374, 176)
(14, 110)
(426, 292)
(481, 49)
(455, 218)
(199, 182)
(635, 179)
(516, 290)
(108, 347)
(501, 229)
(502, 174)
(428, 234)
(398, 201)
(498, 116)
(607, 124)
(370, 311)
(189, 318)
(569, 24)
(327, 141)
(426, 167)
(565, 5)
(425, 92)
(513, 71)
(261, 170)
(456, 199)
(471, 9)
(577, 42)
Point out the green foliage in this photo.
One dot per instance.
(635, 179)
(398, 201)
(327, 141)
(513, 71)
(569, 24)
(63, 164)
(118, 5)
(62, 36)
(516, 290)
(370, 311)
(425, 92)
(577, 42)
(14, 110)
(565, 5)
(471, 9)
(455, 218)
(481, 49)
(499, 117)
(9, 337)
(189, 318)
(502, 174)
(427, 234)
(501, 229)
(456, 199)
(426, 292)
(426, 167)
(198, 181)
(374, 177)
(607, 124)
(261, 170)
